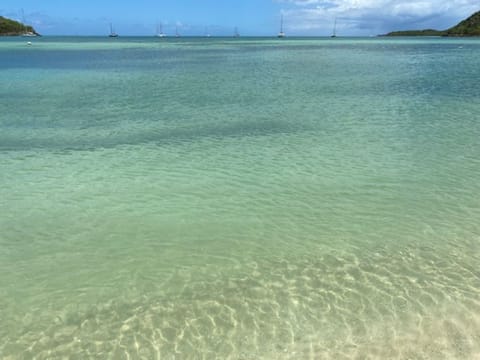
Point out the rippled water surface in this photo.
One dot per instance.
(239, 198)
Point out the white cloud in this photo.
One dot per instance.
(363, 17)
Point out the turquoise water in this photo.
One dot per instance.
(239, 198)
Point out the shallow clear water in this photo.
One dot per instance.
(242, 199)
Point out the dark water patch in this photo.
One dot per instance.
(86, 141)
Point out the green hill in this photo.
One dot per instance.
(10, 27)
(467, 27)
(426, 32)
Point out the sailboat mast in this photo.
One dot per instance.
(281, 34)
(112, 31)
(160, 30)
(334, 33)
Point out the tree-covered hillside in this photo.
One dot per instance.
(10, 27)
(467, 27)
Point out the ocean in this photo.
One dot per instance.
(249, 198)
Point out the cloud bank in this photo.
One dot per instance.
(372, 17)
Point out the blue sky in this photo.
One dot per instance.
(252, 17)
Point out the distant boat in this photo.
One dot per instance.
(29, 34)
(160, 31)
(26, 33)
(281, 34)
(177, 34)
(334, 33)
(112, 32)
(235, 33)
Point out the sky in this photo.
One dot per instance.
(251, 17)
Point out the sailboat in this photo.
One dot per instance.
(281, 34)
(160, 31)
(334, 33)
(235, 33)
(177, 34)
(112, 32)
(26, 33)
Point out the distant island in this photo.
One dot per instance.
(467, 27)
(10, 27)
